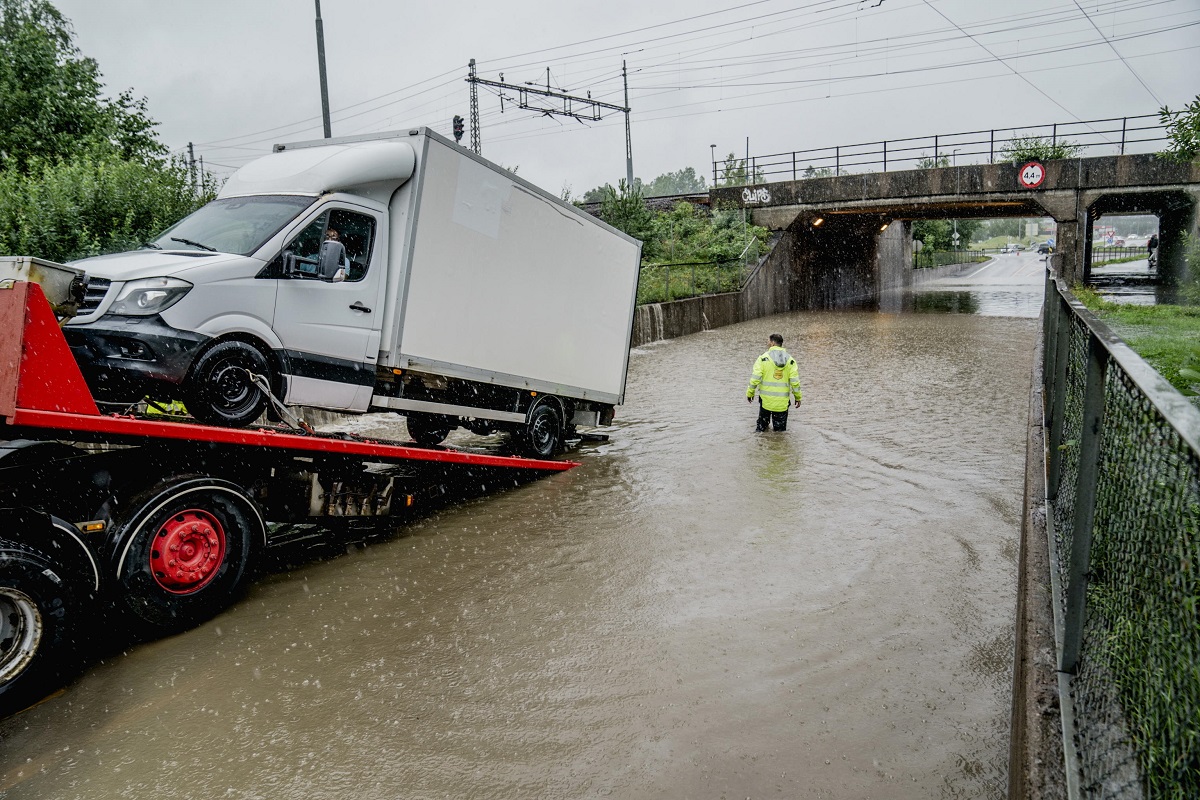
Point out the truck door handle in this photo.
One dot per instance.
(358, 306)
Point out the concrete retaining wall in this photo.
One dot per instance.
(768, 291)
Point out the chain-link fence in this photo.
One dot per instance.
(662, 283)
(1123, 489)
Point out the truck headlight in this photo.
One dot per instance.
(148, 296)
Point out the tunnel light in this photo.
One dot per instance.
(884, 226)
(817, 222)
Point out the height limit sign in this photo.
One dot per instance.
(1031, 175)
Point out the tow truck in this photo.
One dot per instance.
(120, 521)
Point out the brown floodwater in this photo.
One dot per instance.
(696, 611)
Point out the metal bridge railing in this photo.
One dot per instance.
(1100, 137)
(1123, 517)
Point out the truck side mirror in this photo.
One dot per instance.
(289, 264)
(332, 255)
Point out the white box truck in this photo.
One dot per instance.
(392, 271)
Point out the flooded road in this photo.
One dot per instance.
(696, 611)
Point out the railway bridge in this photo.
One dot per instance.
(849, 238)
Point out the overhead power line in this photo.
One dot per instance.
(1118, 52)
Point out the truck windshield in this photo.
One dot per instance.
(234, 224)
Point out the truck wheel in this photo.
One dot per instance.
(428, 428)
(542, 435)
(38, 607)
(219, 391)
(184, 552)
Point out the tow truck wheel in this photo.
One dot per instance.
(183, 554)
(542, 435)
(428, 428)
(219, 390)
(38, 606)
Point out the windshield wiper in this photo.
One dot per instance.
(194, 244)
(150, 245)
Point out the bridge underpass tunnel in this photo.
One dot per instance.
(844, 260)
(1175, 210)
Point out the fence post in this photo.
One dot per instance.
(1123, 121)
(837, 161)
(1085, 504)
(693, 280)
(1058, 392)
(991, 151)
(885, 156)
(935, 150)
(668, 283)
(793, 165)
(1054, 135)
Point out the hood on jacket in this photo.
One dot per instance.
(779, 356)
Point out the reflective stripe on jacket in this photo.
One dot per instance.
(775, 383)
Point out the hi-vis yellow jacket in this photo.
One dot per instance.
(776, 379)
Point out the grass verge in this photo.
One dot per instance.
(1168, 337)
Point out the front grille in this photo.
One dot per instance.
(93, 295)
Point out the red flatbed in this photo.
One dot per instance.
(43, 395)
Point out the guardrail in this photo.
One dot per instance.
(1115, 136)
(927, 259)
(1102, 255)
(1123, 522)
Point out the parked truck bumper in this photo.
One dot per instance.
(126, 358)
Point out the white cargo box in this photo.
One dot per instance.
(504, 283)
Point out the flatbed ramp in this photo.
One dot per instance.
(118, 521)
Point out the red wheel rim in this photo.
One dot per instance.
(187, 551)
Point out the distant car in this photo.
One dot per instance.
(1118, 243)
(1045, 248)
(1012, 248)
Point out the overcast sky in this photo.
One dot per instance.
(235, 76)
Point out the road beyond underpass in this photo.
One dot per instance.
(697, 611)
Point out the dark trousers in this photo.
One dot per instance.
(777, 419)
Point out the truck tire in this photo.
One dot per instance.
(39, 607)
(183, 553)
(218, 389)
(542, 435)
(428, 428)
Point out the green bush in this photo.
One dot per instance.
(1036, 148)
(97, 203)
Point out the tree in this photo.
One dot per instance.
(80, 175)
(1183, 131)
(684, 181)
(816, 172)
(52, 95)
(625, 209)
(735, 173)
(1036, 148)
(938, 234)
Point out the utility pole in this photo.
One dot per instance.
(192, 166)
(321, 67)
(475, 144)
(628, 136)
(591, 108)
